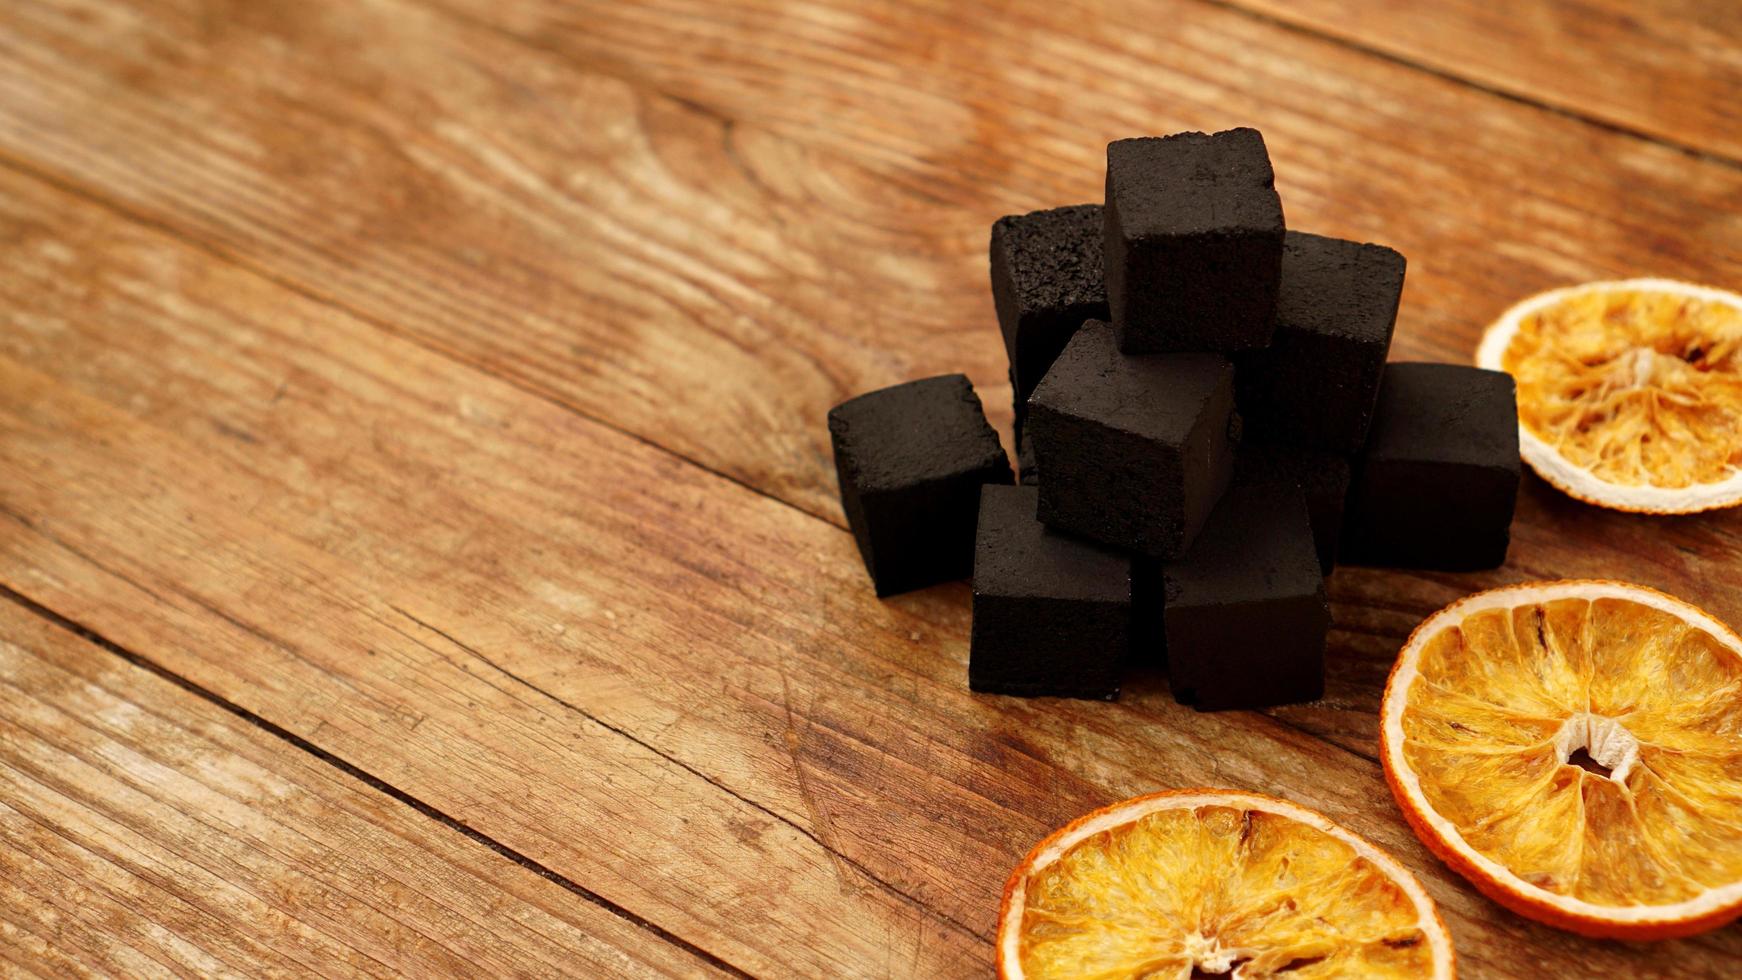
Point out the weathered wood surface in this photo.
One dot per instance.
(569, 200)
(1668, 69)
(145, 831)
(363, 386)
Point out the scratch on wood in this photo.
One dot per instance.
(822, 834)
(819, 820)
(234, 432)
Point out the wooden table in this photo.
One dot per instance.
(417, 529)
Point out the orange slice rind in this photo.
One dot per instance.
(1491, 704)
(1629, 392)
(1219, 881)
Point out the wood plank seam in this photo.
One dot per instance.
(819, 834)
(822, 835)
(700, 569)
(68, 186)
(836, 855)
(72, 883)
(60, 182)
(540, 391)
(1499, 92)
(535, 386)
(139, 820)
(816, 835)
(412, 801)
(362, 775)
(712, 112)
(1231, 6)
(148, 877)
(243, 266)
(374, 782)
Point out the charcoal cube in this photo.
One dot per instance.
(1052, 613)
(1148, 626)
(1135, 449)
(1436, 485)
(911, 460)
(1244, 611)
(1323, 478)
(1046, 281)
(1193, 247)
(1316, 384)
(1027, 473)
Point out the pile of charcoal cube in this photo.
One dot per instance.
(1205, 425)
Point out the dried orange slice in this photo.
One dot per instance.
(1575, 750)
(1220, 882)
(1629, 392)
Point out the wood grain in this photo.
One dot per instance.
(1667, 69)
(803, 216)
(687, 226)
(146, 832)
(526, 686)
(359, 384)
(603, 657)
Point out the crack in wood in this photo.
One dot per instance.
(369, 779)
(859, 868)
(825, 830)
(522, 385)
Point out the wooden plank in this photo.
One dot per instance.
(814, 215)
(723, 283)
(552, 631)
(341, 635)
(147, 832)
(1670, 69)
(1011, 102)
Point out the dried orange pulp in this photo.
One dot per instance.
(1629, 392)
(1485, 716)
(1220, 881)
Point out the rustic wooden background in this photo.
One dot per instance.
(417, 531)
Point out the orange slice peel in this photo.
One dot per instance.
(1218, 881)
(1488, 711)
(1629, 392)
